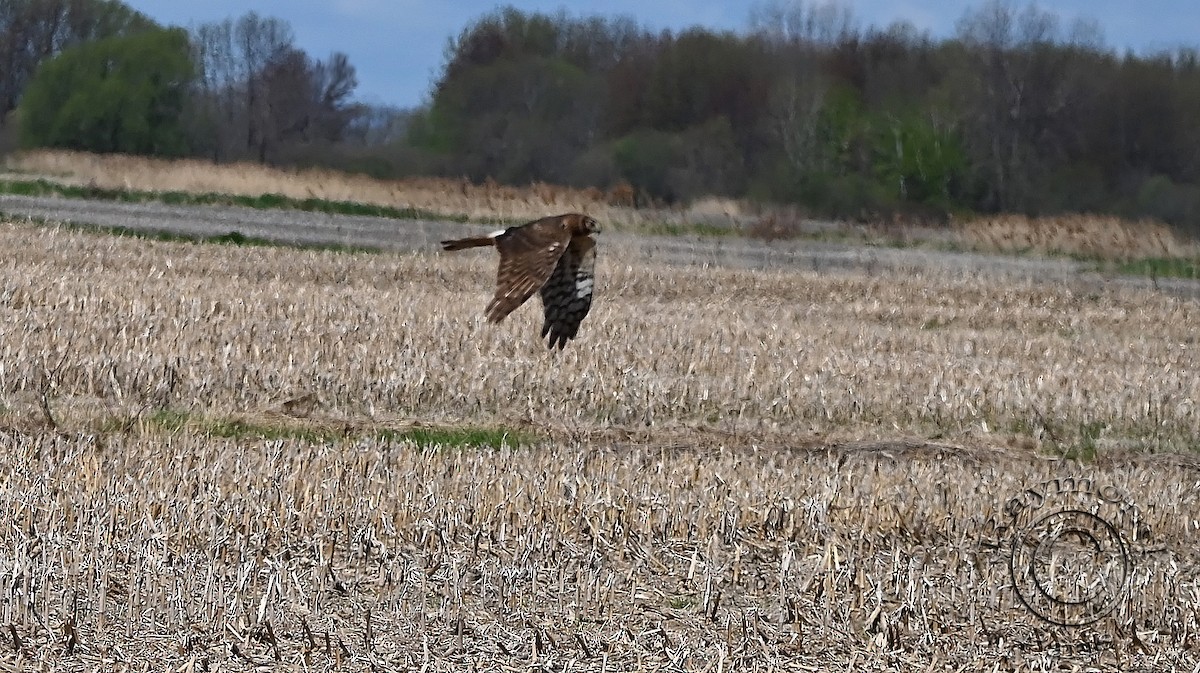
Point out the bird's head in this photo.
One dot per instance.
(589, 225)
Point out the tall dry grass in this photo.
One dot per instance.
(1086, 235)
(1091, 236)
(708, 515)
(443, 196)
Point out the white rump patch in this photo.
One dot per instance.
(496, 233)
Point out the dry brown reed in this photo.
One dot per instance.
(696, 505)
(436, 195)
(1087, 235)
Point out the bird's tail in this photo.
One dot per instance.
(472, 242)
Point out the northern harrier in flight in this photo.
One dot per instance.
(555, 256)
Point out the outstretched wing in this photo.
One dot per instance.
(528, 255)
(567, 295)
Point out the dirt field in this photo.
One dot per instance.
(763, 464)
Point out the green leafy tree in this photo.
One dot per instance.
(120, 94)
(1018, 112)
(32, 31)
(645, 158)
(701, 75)
(918, 161)
(517, 102)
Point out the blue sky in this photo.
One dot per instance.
(397, 46)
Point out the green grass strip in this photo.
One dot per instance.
(42, 187)
(449, 437)
(1162, 267)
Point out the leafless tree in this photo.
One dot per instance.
(260, 93)
(801, 32)
(1020, 94)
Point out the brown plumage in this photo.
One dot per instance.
(555, 256)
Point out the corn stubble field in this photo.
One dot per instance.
(211, 464)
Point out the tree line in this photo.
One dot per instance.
(1018, 111)
(96, 75)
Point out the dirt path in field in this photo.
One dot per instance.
(307, 228)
